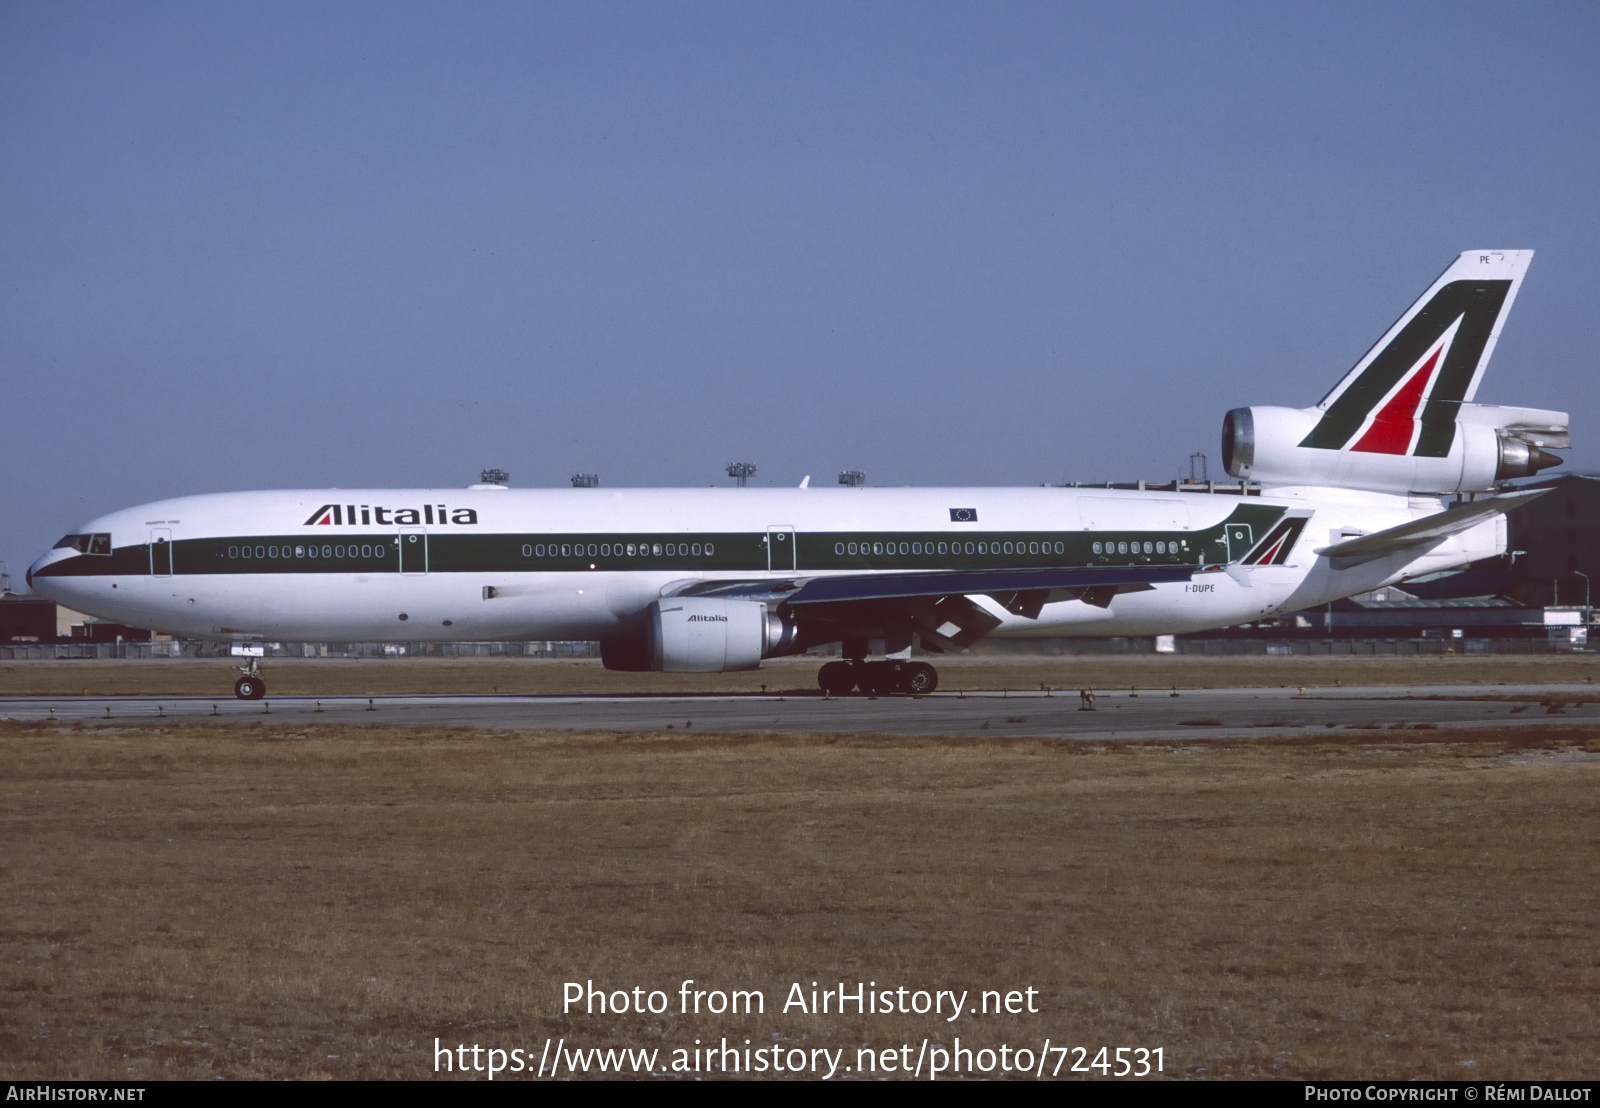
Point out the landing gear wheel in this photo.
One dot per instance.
(894, 677)
(837, 678)
(879, 678)
(871, 678)
(249, 688)
(920, 678)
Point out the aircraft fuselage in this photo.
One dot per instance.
(475, 565)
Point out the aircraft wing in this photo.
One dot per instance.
(936, 603)
(893, 586)
(845, 588)
(1425, 531)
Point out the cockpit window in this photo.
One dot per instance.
(97, 543)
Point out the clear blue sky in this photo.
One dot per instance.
(290, 245)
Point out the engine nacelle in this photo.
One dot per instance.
(1487, 443)
(696, 634)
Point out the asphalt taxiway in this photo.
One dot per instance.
(1142, 714)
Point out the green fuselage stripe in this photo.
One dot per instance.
(718, 553)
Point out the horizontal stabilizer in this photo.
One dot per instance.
(1425, 531)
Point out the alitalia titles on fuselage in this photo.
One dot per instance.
(345, 515)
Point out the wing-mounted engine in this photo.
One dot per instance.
(1483, 444)
(700, 634)
(1403, 419)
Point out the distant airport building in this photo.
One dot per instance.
(1558, 542)
(34, 619)
(27, 619)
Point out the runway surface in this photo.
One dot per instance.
(1151, 714)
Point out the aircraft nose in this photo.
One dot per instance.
(38, 564)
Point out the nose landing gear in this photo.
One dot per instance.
(876, 678)
(250, 686)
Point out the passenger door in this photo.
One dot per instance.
(160, 552)
(780, 548)
(413, 551)
(1240, 537)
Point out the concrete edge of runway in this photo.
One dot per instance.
(1193, 716)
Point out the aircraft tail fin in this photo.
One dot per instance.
(1404, 420)
(1402, 397)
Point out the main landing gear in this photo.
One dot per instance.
(873, 678)
(250, 686)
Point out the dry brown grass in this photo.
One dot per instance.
(378, 677)
(258, 902)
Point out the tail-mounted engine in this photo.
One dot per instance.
(1481, 445)
(1402, 420)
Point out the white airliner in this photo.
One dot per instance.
(706, 580)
